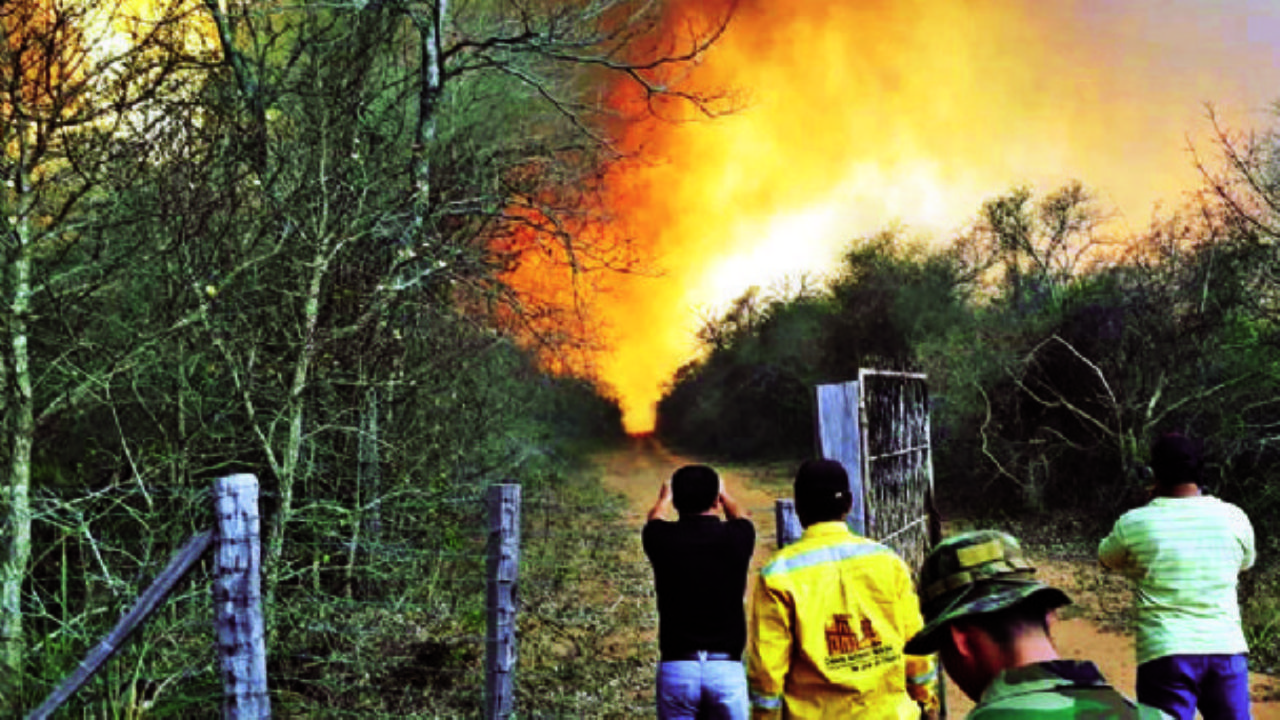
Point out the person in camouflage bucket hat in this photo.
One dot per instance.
(988, 618)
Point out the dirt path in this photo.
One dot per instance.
(639, 471)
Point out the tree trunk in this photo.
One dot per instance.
(370, 474)
(432, 75)
(370, 468)
(287, 471)
(22, 432)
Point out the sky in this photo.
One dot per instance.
(858, 114)
(861, 114)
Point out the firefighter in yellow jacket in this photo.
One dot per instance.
(830, 615)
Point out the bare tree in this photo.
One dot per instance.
(1033, 245)
(405, 153)
(76, 80)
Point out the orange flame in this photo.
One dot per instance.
(864, 113)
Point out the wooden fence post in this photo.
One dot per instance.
(503, 572)
(787, 522)
(237, 600)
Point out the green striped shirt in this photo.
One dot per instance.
(1185, 554)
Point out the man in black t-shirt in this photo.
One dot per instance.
(700, 574)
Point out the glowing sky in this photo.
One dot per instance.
(864, 113)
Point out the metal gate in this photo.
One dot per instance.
(897, 469)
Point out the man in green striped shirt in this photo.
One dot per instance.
(1185, 551)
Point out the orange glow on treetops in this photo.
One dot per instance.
(859, 114)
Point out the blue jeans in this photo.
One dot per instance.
(1178, 684)
(702, 689)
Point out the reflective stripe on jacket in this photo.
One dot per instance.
(829, 617)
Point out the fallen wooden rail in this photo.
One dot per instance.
(147, 604)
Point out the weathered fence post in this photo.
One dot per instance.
(237, 600)
(838, 433)
(504, 567)
(787, 522)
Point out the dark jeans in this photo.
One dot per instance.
(1178, 684)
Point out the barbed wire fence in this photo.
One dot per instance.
(385, 621)
(390, 623)
(394, 626)
(96, 553)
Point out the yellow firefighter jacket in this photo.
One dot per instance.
(829, 617)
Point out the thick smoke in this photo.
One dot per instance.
(858, 114)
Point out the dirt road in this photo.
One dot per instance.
(639, 471)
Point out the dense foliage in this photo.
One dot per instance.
(276, 238)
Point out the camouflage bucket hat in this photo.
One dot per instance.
(970, 574)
